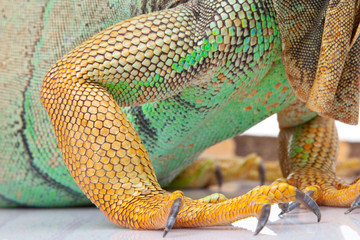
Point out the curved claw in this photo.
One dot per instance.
(219, 176)
(264, 214)
(354, 205)
(288, 207)
(308, 202)
(261, 170)
(175, 208)
(284, 208)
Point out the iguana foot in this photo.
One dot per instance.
(165, 210)
(217, 210)
(288, 207)
(307, 157)
(327, 189)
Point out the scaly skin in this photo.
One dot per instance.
(141, 60)
(202, 72)
(309, 162)
(34, 36)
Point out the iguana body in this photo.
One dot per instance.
(35, 35)
(161, 132)
(189, 77)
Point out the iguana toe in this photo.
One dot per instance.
(308, 202)
(288, 207)
(354, 205)
(264, 214)
(175, 208)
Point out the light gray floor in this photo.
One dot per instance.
(90, 223)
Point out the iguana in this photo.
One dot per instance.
(164, 86)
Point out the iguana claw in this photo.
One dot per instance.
(264, 214)
(284, 208)
(261, 170)
(175, 208)
(308, 202)
(354, 205)
(301, 197)
(288, 207)
(219, 176)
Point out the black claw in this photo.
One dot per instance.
(263, 217)
(175, 208)
(354, 205)
(293, 205)
(261, 170)
(310, 193)
(288, 207)
(219, 176)
(308, 202)
(284, 208)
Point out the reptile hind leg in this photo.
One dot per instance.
(307, 155)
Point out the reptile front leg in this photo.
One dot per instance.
(110, 164)
(138, 61)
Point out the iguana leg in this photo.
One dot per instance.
(110, 164)
(307, 155)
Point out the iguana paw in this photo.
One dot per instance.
(326, 189)
(217, 210)
(164, 210)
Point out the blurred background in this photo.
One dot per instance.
(269, 127)
(239, 158)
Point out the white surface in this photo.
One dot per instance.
(269, 127)
(90, 223)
